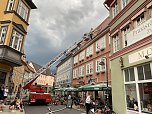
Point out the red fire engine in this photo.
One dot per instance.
(37, 93)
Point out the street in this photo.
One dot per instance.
(37, 109)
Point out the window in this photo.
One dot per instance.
(89, 68)
(131, 97)
(23, 10)
(116, 44)
(140, 19)
(124, 3)
(146, 97)
(125, 31)
(139, 92)
(144, 72)
(129, 74)
(10, 5)
(100, 44)
(75, 73)
(3, 33)
(76, 59)
(16, 40)
(82, 55)
(103, 66)
(98, 67)
(89, 51)
(115, 9)
(81, 71)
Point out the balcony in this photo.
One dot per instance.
(10, 56)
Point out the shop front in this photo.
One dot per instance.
(138, 81)
(132, 81)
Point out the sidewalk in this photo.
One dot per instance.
(78, 108)
(7, 111)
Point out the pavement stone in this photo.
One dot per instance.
(7, 111)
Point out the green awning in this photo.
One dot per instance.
(97, 87)
(60, 89)
(71, 89)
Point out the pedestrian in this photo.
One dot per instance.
(1, 93)
(69, 103)
(88, 102)
(5, 94)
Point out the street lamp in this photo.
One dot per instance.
(105, 64)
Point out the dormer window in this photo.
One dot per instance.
(10, 5)
(115, 9)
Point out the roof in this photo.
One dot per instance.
(31, 4)
(37, 67)
(103, 25)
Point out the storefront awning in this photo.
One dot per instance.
(97, 87)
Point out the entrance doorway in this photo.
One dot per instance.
(2, 77)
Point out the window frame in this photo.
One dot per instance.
(89, 68)
(23, 10)
(125, 31)
(116, 43)
(101, 44)
(137, 83)
(115, 9)
(8, 5)
(19, 41)
(89, 51)
(2, 40)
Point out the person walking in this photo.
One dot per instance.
(88, 103)
(5, 94)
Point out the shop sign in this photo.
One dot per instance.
(140, 55)
(139, 33)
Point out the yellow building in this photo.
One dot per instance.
(14, 18)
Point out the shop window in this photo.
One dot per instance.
(145, 91)
(144, 72)
(131, 97)
(129, 74)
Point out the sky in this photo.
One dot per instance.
(58, 24)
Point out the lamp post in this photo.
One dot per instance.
(106, 65)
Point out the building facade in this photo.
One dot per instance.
(64, 72)
(131, 59)
(91, 52)
(14, 18)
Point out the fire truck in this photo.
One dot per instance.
(37, 93)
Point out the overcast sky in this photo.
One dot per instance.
(57, 24)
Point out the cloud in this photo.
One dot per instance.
(57, 24)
